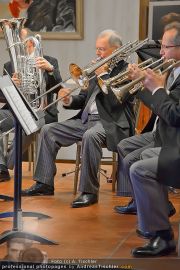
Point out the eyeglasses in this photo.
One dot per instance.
(168, 46)
(101, 49)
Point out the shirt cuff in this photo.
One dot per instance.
(102, 74)
(67, 104)
(52, 70)
(157, 88)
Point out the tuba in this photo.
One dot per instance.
(31, 77)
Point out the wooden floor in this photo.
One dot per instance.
(94, 232)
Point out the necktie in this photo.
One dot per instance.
(85, 112)
(170, 80)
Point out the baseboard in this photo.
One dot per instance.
(70, 161)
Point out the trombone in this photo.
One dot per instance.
(82, 76)
(136, 84)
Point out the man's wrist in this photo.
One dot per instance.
(51, 70)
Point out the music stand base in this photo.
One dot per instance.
(6, 198)
(25, 214)
(6, 236)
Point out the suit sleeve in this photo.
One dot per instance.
(167, 106)
(55, 77)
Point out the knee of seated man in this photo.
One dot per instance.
(121, 146)
(90, 135)
(46, 130)
(147, 153)
(135, 169)
(128, 160)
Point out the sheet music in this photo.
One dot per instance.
(18, 106)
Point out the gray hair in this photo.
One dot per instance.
(114, 37)
(176, 26)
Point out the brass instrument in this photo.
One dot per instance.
(82, 76)
(31, 78)
(122, 77)
(136, 84)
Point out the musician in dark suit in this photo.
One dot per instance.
(52, 77)
(158, 167)
(101, 120)
(130, 150)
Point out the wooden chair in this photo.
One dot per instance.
(78, 162)
(178, 242)
(31, 149)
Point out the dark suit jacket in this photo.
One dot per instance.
(167, 107)
(51, 80)
(118, 119)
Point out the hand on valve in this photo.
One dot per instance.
(16, 79)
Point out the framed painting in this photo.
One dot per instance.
(157, 10)
(54, 19)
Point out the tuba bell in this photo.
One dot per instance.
(24, 65)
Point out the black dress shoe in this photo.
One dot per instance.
(156, 247)
(4, 175)
(130, 208)
(146, 235)
(85, 199)
(38, 189)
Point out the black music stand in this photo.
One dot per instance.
(150, 50)
(5, 198)
(7, 86)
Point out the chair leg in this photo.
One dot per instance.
(77, 167)
(178, 243)
(34, 145)
(29, 157)
(114, 170)
(5, 143)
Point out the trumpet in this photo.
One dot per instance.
(122, 76)
(136, 84)
(82, 76)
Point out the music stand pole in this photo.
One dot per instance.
(18, 181)
(17, 217)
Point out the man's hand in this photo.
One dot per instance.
(64, 93)
(102, 69)
(16, 79)
(134, 72)
(42, 63)
(153, 80)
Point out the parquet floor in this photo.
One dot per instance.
(94, 232)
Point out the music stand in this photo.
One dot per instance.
(26, 118)
(5, 198)
(150, 50)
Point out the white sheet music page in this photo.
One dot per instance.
(15, 101)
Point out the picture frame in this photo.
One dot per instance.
(157, 9)
(77, 34)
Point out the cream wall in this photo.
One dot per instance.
(120, 15)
